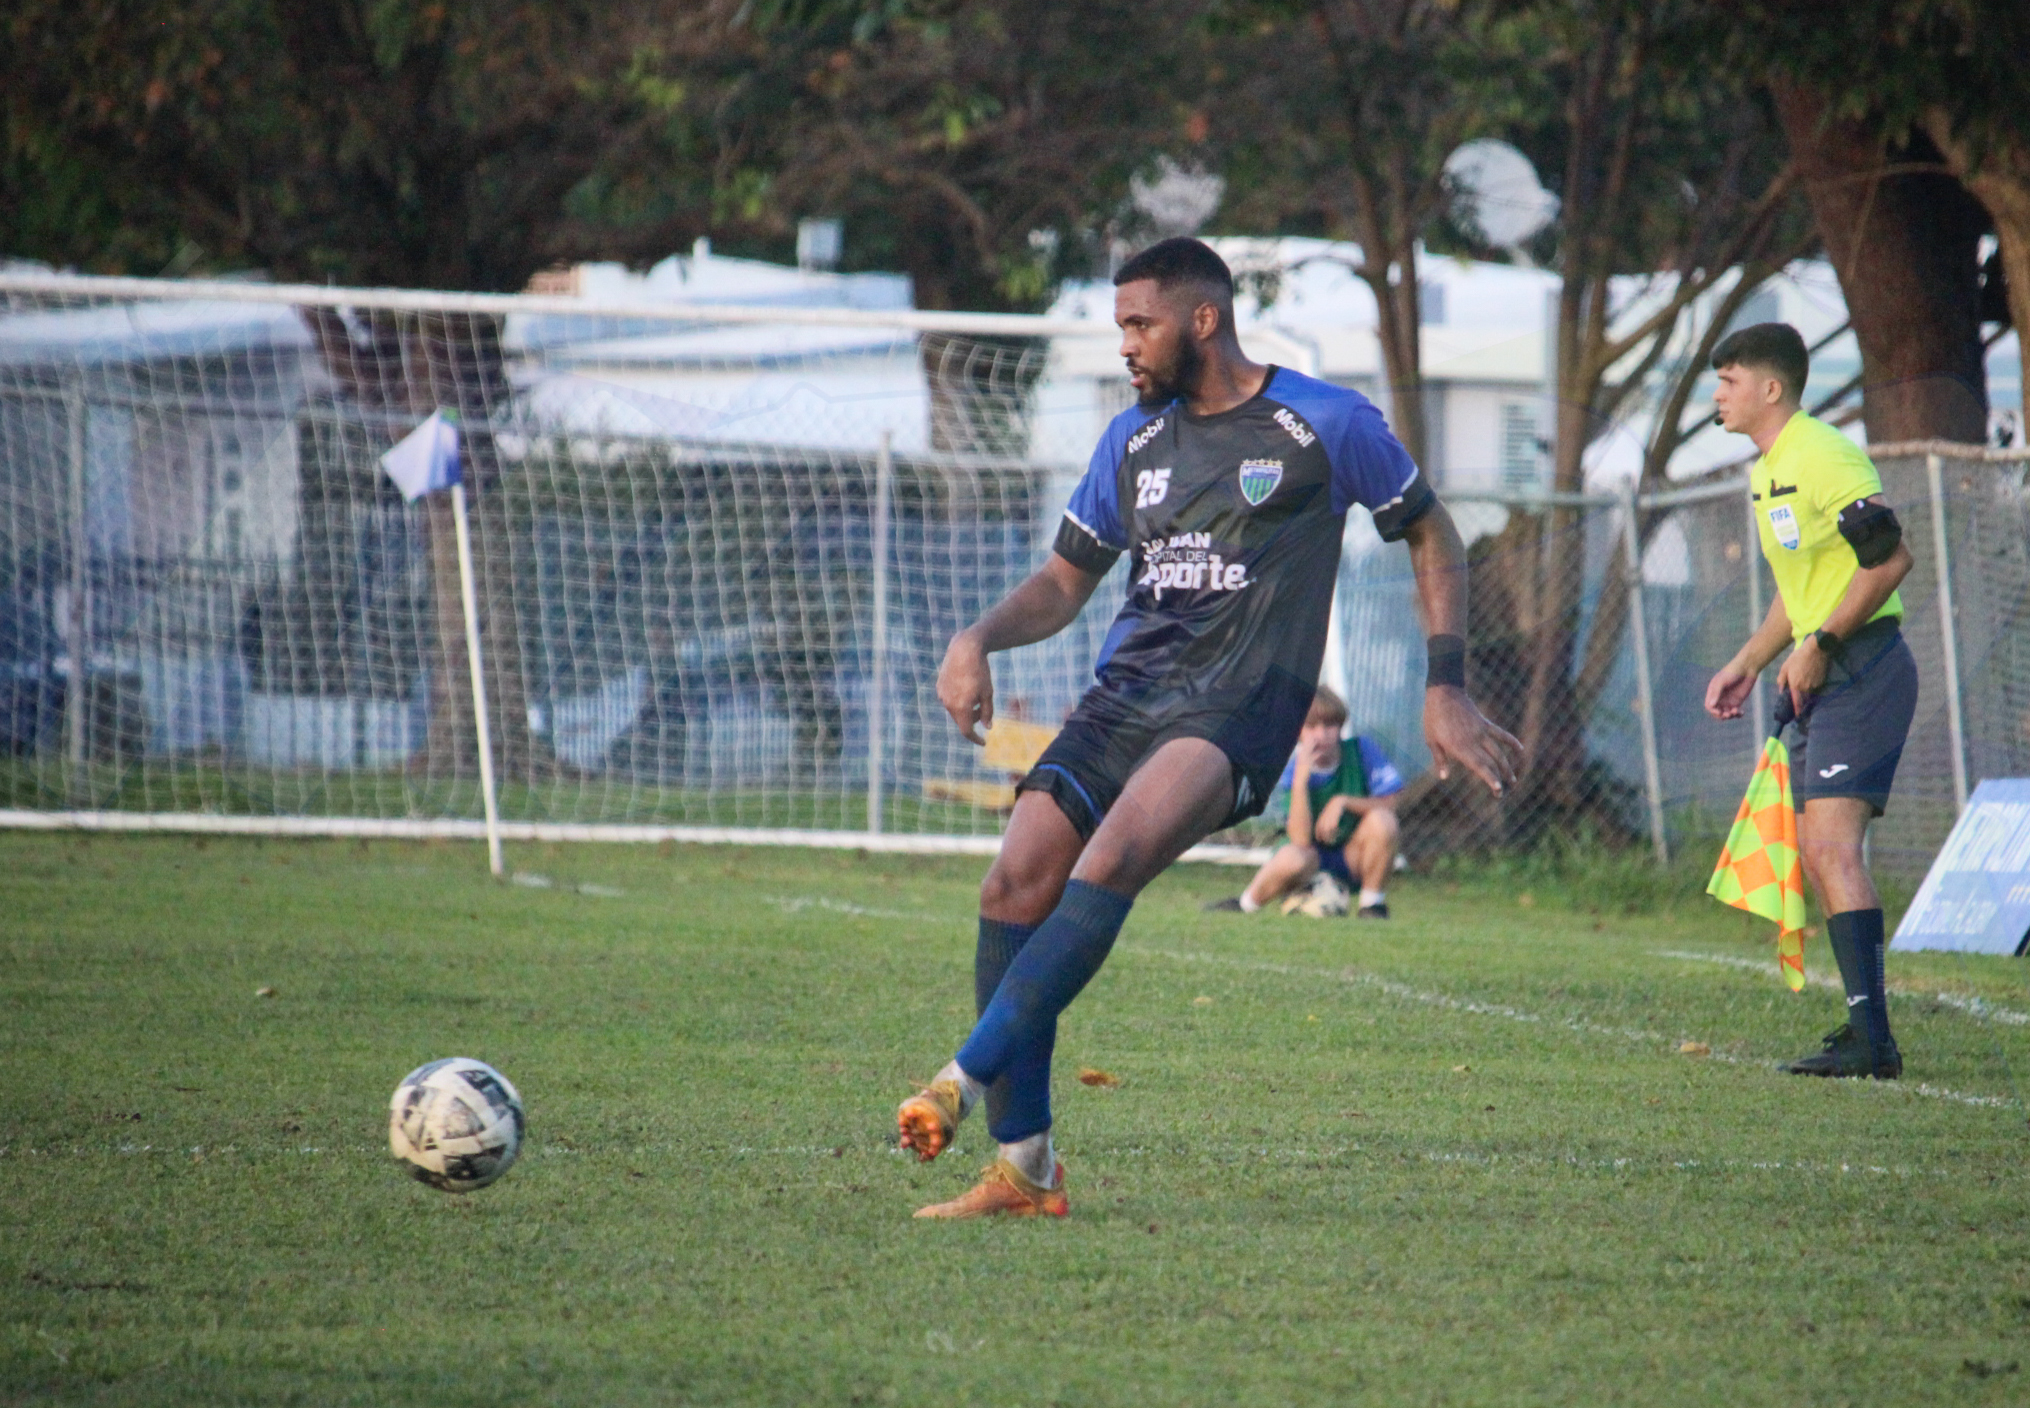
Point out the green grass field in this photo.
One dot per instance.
(1458, 1158)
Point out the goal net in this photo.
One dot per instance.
(718, 550)
(718, 553)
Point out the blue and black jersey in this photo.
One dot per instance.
(1234, 522)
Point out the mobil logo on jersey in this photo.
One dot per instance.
(1259, 479)
(1145, 435)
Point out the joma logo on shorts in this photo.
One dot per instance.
(1145, 435)
(1289, 422)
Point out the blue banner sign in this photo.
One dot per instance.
(1977, 897)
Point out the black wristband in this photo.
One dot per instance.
(1447, 661)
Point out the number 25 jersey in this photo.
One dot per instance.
(1234, 523)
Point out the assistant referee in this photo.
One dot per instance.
(1836, 551)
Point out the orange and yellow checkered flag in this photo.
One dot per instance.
(1759, 869)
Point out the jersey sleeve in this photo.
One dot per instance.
(1091, 536)
(1370, 467)
(1845, 475)
(1384, 779)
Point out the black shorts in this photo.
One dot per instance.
(1851, 735)
(1108, 736)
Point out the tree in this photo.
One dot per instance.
(974, 144)
(1900, 113)
(979, 146)
(436, 146)
(1670, 174)
(1339, 115)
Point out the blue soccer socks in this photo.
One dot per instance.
(1857, 941)
(1018, 1030)
(999, 943)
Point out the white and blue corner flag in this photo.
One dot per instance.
(426, 460)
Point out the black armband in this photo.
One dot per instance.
(1393, 519)
(1871, 530)
(1446, 662)
(1081, 547)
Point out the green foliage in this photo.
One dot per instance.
(1455, 1157)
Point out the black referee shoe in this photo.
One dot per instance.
(1230, 905)
(1846, 1053)
(1378, 910)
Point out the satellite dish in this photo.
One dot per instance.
(1496, 192)
(1177, 200)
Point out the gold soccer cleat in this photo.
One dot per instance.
(926, 1120)
(1003, 1190)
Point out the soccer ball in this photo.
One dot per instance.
(1323, 898)
(456, 1124)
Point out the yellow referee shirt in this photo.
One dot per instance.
(1810, 474)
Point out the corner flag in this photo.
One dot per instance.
(422, 462)
(426, 459)
(1759, 870)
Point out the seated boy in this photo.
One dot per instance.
(1343, 822)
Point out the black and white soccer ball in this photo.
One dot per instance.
(456, 1124)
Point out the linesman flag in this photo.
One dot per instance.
(1759, 870)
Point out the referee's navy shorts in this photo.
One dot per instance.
(1851, 734)
(1111, 733)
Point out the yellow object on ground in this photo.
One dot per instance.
(971, 792)
(1014, 746)
(1759, 869)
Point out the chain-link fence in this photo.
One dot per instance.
(719, 552)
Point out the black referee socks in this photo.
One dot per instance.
(1857, 944)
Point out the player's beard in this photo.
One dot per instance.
(1180, 378)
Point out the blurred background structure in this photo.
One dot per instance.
(732, 500)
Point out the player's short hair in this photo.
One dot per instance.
(1182, 262)
(1326, 707)
(1776, 348)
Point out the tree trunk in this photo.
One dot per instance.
(1399, 329)
(1904, 244)
(2000, 179)
(456, 363)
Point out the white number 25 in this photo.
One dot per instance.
(1151, 485)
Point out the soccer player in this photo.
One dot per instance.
(1836, 551)
(1341, 823)
(1228, 484)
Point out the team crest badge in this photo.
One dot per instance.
(1259, 479)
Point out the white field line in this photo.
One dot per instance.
(1354, 977)
(1277, 1154)
(791, 904)
(528, 880)
(1972, 1006)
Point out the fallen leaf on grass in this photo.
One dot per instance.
(1462, 1070)
(1694, 1048)
(1201, 1001)
(1092, 1075)
(264, 992)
